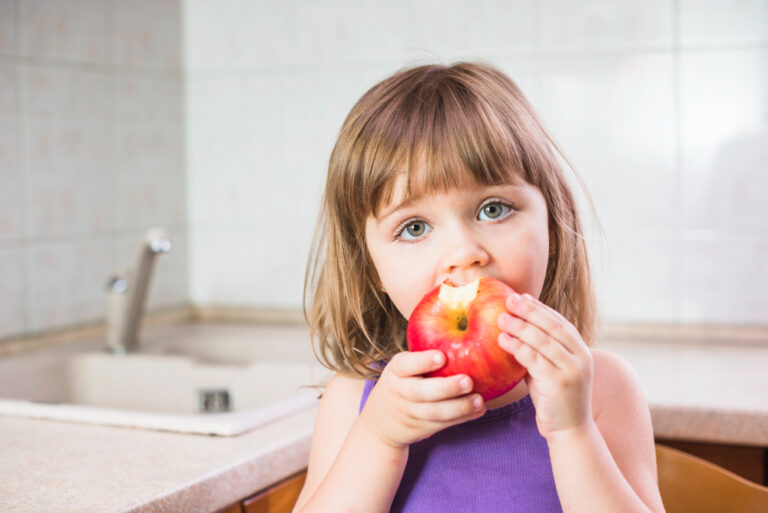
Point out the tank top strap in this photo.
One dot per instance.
(367, 387)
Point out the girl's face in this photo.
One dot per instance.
(472, 231)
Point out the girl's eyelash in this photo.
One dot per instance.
(500, 201)
(396, 236)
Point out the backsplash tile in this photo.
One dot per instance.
(8, 30)
(590, 25)
(216, 120)
(614, 118)
(716, 22)
(344, 32)
(724, 147)
(147, 34)
(69, 30)
(724, 278)
(11, 177)
(13, 287)
(474, 30)
(243, 266)
(257, 35)
(69, 190)
(91, 155)
(641, 276)
(67, 282)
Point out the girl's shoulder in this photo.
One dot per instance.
(614, 380)
(335, 417)
(344, 388)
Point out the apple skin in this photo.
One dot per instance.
(474, 350)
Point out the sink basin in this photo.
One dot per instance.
(205, 379)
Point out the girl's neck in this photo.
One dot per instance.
(518, 392)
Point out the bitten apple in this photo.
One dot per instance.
(462, 322)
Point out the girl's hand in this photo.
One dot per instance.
(559, 363)
(405, 407)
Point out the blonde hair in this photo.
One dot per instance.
(467, 119)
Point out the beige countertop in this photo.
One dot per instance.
(48, 466)
(702, 392)
(709, 392)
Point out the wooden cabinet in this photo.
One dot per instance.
(279, 498)
(748, 462)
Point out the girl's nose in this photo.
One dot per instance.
(463, 250)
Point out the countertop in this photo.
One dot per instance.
(702, 392)
(708, 392)
(48, 466)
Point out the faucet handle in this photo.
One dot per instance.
(157, 240)
(117, 283)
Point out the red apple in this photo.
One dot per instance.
(462, 323)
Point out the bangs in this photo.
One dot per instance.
(439, 134)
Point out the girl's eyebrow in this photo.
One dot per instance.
(403, 204)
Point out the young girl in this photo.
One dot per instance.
(446, 173)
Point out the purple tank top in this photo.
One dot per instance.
(496, 463)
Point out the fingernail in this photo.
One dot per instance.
(465, 384)
(528, 297)
(437, 358)
(516, 297)
(477, 403)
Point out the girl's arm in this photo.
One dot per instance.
(615, 455)
(339, 442)
(356, 462)
(601, 443)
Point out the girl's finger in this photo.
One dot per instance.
(451, 410)
(538, 365)
(545, 318)
(435, 389)
(536, 337)
(415, 363)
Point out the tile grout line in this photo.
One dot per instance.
(677, 291)
(24, 172)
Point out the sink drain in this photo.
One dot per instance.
(214, 400)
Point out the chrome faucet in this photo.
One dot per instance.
(127, 293)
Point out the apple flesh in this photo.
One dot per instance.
(462, 323)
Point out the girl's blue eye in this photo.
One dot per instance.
(494, 211)
(414, 230)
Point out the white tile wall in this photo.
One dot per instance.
(91, 155)
(606, 25)
(217, 119)
(724, 278)
(614, 117)
(717, 22)
(12, 292)
(71, 30)
(8, 29)
(334, 32)
(62, 278)
(68, 149)
(148, 34)
(11, 183)
(724, 126)
(475, 30)
(231, 35)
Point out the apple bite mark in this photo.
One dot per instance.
(459, 299)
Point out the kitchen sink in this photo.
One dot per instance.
(200, 378)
